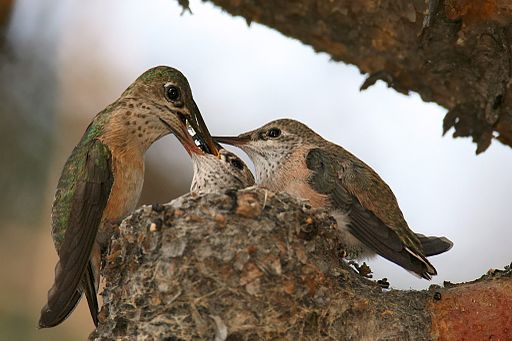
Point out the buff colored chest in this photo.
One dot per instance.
(293, 177)
(128, 172)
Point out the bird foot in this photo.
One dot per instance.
(364, 270)
(384, 284)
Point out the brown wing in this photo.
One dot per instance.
(432, 245)
(73, 273)
(359, 196)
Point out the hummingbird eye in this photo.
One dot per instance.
(274, 132)
(172, 93)
(237, 163)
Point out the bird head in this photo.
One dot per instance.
(214, 174)
(164, 93)
(272, 142)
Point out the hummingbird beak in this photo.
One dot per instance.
(236, 141)
(201, 132)
(192, 132)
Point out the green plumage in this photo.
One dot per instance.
(74, 170)
(82, 195)
(86, 200)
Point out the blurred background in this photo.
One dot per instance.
(63, 61)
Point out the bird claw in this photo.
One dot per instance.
(363, 269)
(383, 283)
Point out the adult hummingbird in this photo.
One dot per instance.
(102, 180)
(289, 156)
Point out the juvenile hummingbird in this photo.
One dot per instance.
(219, 173)
(289, 156)
(102, 180)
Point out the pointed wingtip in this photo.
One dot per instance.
(45, 318)
(448, 242)
(41, 324)
(434, 245)
(49, 319)
(51, 315)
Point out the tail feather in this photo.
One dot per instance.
(89, 287)
(420, 265)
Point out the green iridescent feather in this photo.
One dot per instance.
(74, 169)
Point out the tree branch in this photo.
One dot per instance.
(456, 53)
(253, 265)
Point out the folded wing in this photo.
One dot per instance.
(73, 273)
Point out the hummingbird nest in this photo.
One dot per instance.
(248, 265)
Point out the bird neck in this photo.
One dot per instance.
(210, 174)
(131, 128)
(267, 168)
(276, 171)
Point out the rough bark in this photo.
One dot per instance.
(456, 53)
(251, 265)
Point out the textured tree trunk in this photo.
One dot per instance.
(252, 265)
(456, 53)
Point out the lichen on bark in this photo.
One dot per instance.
(456, 53)
(238, 266)
(254, 265)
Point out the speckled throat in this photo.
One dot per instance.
(267, 161)
(132, 125)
